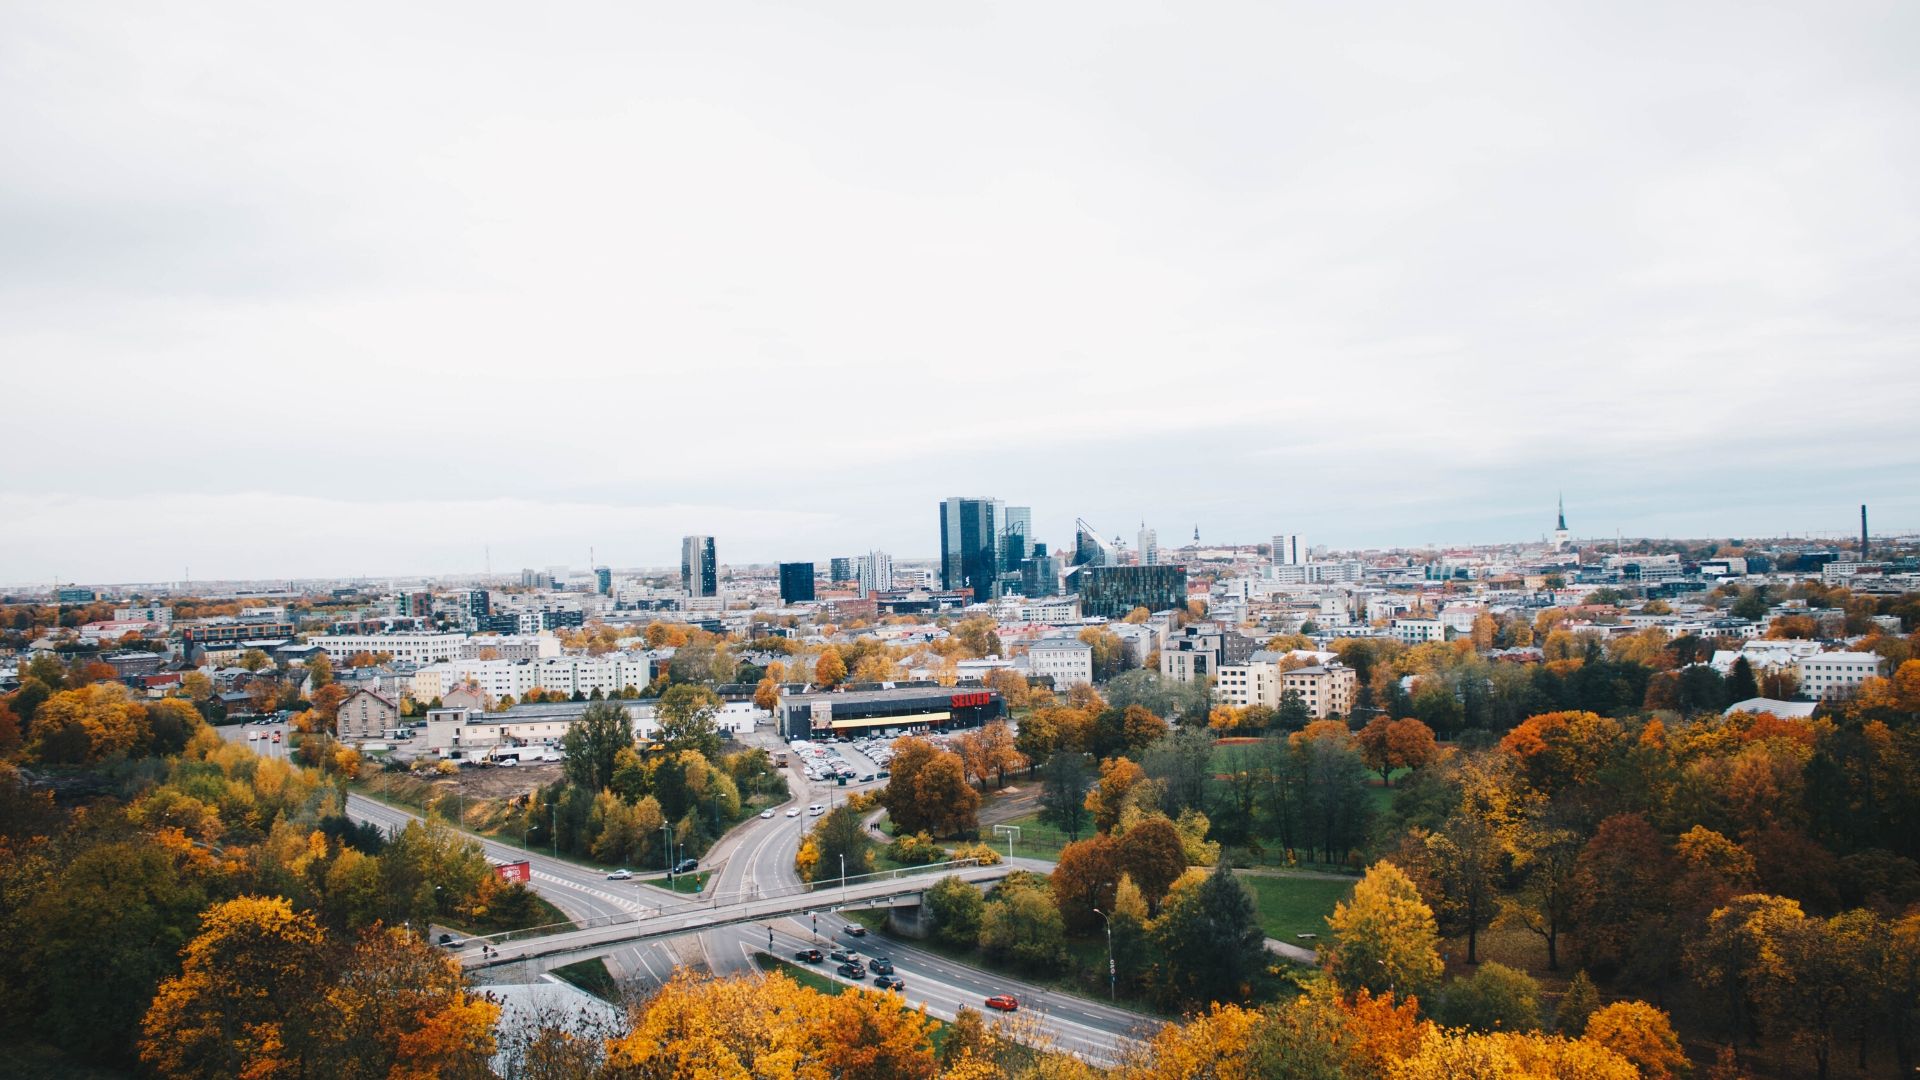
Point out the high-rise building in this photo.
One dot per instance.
(1289, 549)
(1016, 537)
(1111, 592)
(1040, 575)
(841, 569)
(876, 572)
(796, 582)
(479, 604)
(603, 581)
(1149, 546)
(970, 545)
(1088, 548)
(699, 568)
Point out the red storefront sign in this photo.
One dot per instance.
(963, 701)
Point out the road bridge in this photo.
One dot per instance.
(601, 936)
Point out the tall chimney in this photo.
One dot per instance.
(1863, 532)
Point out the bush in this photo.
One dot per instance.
(1495, 998)
(984, 854)
(917, 849)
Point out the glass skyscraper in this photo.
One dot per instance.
(970, 544)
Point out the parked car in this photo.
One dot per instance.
(808, 956)
(451, 942)
(889, 982)
(686, 866)
(1004, 1002)
(620, 875)
(852, 971)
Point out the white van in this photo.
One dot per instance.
(816, 810)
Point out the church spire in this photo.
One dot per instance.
(1563, 514)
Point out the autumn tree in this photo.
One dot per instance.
(1384, 938)
(1545, 852)
(1619, 895)
(1469, 852)
(245, 989)
(1083, 880)
(87, 724)
(830, 669)
(1107, 797)
(1388, 745)
(928, 791)
(1643, 1035)
(1154, 856)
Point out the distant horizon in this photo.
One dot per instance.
(820, 563)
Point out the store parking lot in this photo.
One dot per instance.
(861, 762)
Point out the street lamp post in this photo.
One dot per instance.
(553, 827)
(1113, 975)
(666, 839)
(843, 875)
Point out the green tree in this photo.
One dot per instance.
(686, 714)
(1064, 780)
(1293, 713)
(1581, 1001)
(840, 833)
(1741, 684)
(102, 936)
(1024, 926)
(957, 908)
(1209, 940)
(592, 744)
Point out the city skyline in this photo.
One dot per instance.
(674, 564)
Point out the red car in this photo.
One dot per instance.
(1004, 1002)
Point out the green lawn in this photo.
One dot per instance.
(1038, 840)
(1290, 905)
(680, 883)
(593, 977)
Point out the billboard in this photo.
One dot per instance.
(521, 871)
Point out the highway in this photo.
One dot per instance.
(757, 858)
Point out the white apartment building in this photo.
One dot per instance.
(405, 647)
(1068, 660)
(1459, 617)
(1383, 608)
(1327, 689)
(1418, 631)
(609, 674)
(512, 646)
(1837, 674)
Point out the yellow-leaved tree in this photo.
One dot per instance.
(1384, 937)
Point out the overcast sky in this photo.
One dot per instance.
(344, 288)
